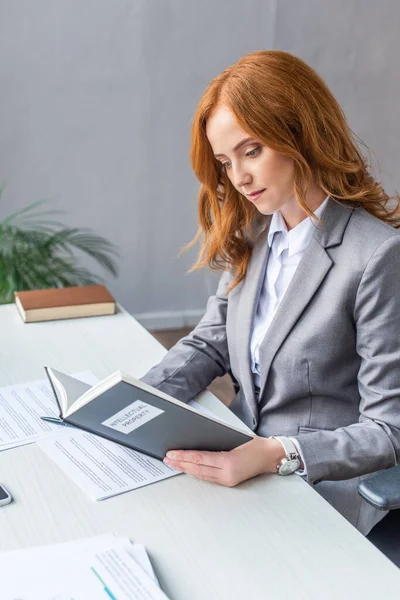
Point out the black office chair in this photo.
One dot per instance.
(383, 492)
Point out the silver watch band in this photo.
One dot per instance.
(290, 449)
(287, 444)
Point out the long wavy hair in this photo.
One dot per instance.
(282, 102)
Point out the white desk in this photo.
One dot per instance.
(272, 537)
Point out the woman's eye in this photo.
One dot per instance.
(226, 165)
(253, 152)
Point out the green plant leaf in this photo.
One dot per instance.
(37, 252)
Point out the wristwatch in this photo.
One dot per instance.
(291, 462)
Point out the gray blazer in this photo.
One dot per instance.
(329, 363)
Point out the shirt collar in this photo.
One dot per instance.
(297, 238)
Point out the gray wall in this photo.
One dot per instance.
(97, 101)
(354, 45)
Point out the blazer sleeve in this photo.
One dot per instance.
(192, 364)
(373, 443)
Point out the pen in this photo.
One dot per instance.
(55, 420)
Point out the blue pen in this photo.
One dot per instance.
(55, 420)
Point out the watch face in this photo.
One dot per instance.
(289, 466)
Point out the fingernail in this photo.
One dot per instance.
(171, 454)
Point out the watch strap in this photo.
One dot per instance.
(287, 444)
(290, 449)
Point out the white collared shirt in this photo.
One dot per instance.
(286, 251)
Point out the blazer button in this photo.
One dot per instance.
(254, 421)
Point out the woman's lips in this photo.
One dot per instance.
(256, 195)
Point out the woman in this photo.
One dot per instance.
(306, 316)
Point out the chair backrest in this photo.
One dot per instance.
(386, 536)
(383, 491)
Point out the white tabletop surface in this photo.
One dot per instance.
(272, 537)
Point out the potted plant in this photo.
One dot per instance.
(37, 252)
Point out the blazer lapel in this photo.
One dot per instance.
(309, 275)
(249, 295)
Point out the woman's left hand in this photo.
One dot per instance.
(260, 455)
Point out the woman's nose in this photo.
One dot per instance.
(240, 177)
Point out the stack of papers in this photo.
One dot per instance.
(100, 568)
(101, 468)
(21, 407)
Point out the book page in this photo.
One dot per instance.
(67, 388)
(21, 407)
(102, 468)
(197, 406)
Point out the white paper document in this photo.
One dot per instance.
(100, 568)
(102, 468)
(21, 407)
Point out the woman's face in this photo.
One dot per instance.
(262, 175)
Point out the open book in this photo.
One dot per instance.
(130, 412)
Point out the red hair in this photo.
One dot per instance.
(282, 102)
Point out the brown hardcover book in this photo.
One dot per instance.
(65, 303)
